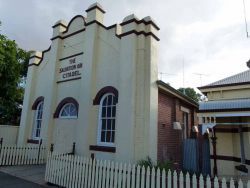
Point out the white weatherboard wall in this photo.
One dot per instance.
(123, 56)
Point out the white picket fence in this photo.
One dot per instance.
(76, 171)
(22, 155)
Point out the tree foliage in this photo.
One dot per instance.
(191, 93)
(13, 68)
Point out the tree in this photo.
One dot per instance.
(191, 93)
(13, 68)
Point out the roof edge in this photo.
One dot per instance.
(223, 85)
(177, 93)
(224, 110)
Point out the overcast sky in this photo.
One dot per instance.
(206, 36)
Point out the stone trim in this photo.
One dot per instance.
(71, 56)
(69, 35)
(63, 102)
(59, 24)
(77, 16)
(103, 91)
(185, 109)
(41, 58)
(107, 28)
(37, 101)
(58, 82)
(139, 22)
(32, 141)
(96, 7)
(35, 56)
(102, 148)
(140, 33)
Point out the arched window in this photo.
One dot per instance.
(69, 110)
(107, 114)
(38, 120)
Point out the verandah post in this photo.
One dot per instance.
(214, 138)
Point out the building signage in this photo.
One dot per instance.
(70, 69)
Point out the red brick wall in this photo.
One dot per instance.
(170, 140)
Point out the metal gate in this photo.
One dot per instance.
(190, 155)
(206, 165)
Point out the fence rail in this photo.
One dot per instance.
(76, 171)
(22, 155)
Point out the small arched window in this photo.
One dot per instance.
(38, 121)
(69, 110)
(106, 125)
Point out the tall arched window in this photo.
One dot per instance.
(38, 121)
(107, 114)
(69, 110)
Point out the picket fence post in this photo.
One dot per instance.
(175, 180)
(216, 182)
(231, 183)
(148, 177)
(181, 181)
(248, 184)
(240, 184)
(169, 179)
(194, 181)
(137, 176)
(224, 183)
(201, 181)
(187, 180)
(163, 178)
(128, 176)
(208, 182)
(142, 177)
(153, 178)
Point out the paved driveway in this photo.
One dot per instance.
(8, 181)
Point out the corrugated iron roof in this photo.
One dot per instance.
(243, 77)
(225, 104)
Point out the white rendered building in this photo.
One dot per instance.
(95, 86)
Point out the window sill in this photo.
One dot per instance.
(62, 117)
(32, 141)
(102, 148)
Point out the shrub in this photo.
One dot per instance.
(167, 165)
(148, 162)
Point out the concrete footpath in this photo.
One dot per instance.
(9, 181)
(22, 176)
